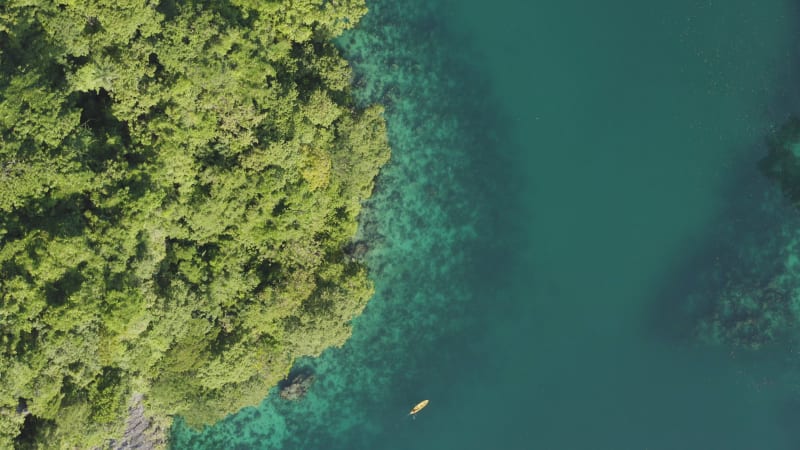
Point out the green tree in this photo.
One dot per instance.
(177, 183)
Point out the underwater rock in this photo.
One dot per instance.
(357, 249)
(297, 387)
(750, 317)
(782, 163)
(752, 297)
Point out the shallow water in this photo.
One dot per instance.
(564, 173)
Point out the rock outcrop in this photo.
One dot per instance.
(140, 431)
(297, 387)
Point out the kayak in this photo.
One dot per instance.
(419, 407)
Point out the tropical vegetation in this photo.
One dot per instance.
(178, 183)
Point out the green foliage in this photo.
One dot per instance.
(177, 181)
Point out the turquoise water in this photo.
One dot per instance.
(568, 178)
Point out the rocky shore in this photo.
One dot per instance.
(141, 432)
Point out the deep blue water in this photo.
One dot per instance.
(568, 178)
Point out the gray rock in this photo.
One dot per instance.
(297, 387)
(140, 432)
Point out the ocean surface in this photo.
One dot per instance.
(570, 182)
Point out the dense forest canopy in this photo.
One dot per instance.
(178, 180)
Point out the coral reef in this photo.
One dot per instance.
(749, 316)
(752, 297)
(782, 163)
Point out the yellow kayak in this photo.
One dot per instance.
(418, 408)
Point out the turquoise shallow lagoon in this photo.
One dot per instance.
(566, 177)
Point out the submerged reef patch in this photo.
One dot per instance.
(751, 297)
